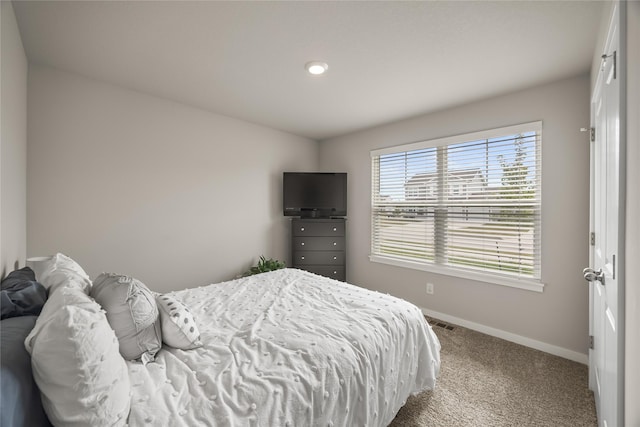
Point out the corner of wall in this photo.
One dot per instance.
(13, 144)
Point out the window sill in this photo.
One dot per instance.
(526, 284)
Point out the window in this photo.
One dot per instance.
(467, 205)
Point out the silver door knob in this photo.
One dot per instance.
(591, 275)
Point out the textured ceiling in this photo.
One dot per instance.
(387, 60)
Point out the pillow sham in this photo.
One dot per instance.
(83, 380)
(179, 329)
(132, 313)
(59, 271)
(21, 295)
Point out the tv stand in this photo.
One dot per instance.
(318, 245)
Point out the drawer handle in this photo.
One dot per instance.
(301, 243)
(301, 228)
(335, 272)
(335, 229)
(335, 257)
(301, 257)
(335, 244)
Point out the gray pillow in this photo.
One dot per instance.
(20, 403)
(21, 295)
(132, 313)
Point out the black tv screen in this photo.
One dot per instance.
(314, 194)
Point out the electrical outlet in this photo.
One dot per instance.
(430, 288)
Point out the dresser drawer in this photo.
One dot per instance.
(318, 243)
(318, 258)
(334, 272)
(318, 228)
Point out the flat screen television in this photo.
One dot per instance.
(314, 194)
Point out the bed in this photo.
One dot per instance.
(289, 348)
(284, 348)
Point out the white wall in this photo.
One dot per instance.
(632, 289)
(134, 184)
(13, 145)
(559, 315)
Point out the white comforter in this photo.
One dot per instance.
(289, 348)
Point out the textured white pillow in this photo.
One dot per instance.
(60, 271)
(179, 329)
(82, 377)
(132, 312)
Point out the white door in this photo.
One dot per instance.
(606, 323)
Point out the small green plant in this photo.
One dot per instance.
(265, 265)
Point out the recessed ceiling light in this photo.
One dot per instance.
(316, 67)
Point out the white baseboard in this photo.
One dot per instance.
(508, 336)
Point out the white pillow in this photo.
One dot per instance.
(60, 271)
(76, 363)
(179, 329)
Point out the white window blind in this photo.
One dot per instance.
(465, 203)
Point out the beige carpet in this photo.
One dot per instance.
(486, 381)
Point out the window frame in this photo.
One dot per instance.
(527, 283)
